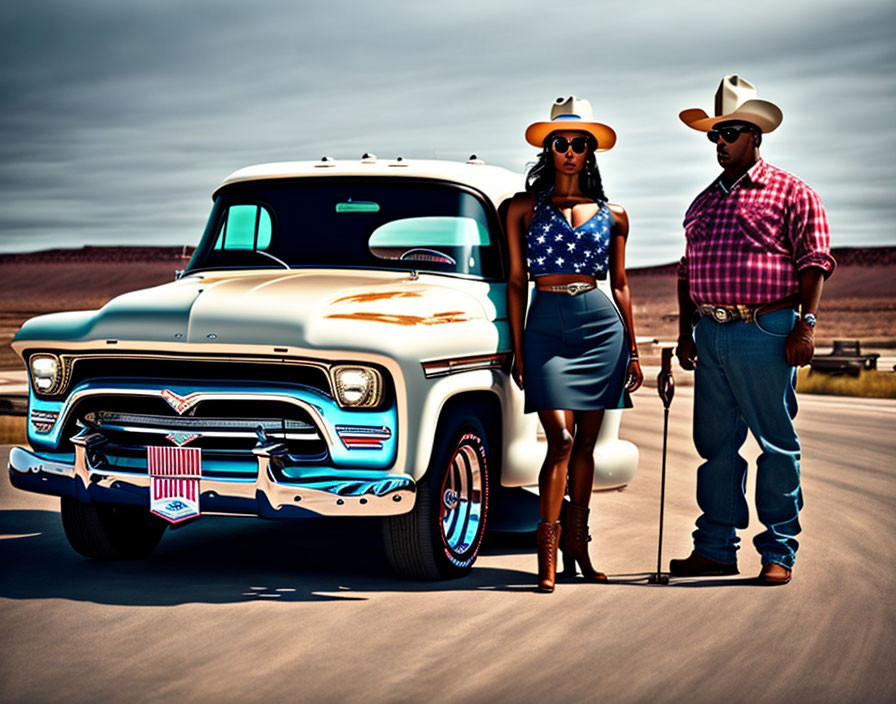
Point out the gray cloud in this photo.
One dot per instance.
(119, 118)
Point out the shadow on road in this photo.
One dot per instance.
(223, 560)
(641, 579)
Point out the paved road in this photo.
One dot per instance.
(241, 610)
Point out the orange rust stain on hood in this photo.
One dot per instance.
(378, 296)
(394, 319)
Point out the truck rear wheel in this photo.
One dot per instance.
(440, 537)
(110, 531)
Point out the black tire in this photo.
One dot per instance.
(440, 537)
(110, 531)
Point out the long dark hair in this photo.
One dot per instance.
(541, 176)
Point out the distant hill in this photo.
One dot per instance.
(100, 254)
(846, 256)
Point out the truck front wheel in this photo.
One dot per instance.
(440, 537)
(110, 531)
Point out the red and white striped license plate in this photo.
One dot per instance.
(174, 481)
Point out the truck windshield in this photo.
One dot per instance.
(394, 223)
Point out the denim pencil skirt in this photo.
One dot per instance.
(575, 353)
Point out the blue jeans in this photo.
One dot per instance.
(743, 381)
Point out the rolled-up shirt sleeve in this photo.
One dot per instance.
(810, 234)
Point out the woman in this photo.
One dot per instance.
(576, 356)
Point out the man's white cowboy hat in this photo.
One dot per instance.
(571, 114)
(735, 100)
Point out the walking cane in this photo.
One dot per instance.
(665, 386)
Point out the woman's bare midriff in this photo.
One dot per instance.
(563, 279)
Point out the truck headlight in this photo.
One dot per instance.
(45, 372)
(357, 387)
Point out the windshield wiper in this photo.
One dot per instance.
(271, 256)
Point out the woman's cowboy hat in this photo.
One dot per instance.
(571, 114)
(735, 100)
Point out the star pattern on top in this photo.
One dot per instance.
(584, 248)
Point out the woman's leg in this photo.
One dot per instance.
(574, 537)
(558, 428)
(581, 460)
(551, 488)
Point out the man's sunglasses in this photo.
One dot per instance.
(562, 144)
(729, 134)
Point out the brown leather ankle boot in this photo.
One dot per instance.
(548, 537)
(574, 545)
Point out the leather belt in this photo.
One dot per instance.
(573, 289)
(729, 314)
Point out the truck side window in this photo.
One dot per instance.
(245, 227)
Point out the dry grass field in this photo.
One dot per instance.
(12, 430)
(49, 282)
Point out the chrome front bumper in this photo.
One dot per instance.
(335, 493)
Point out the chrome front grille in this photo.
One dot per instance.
(227, 429)
(222, 434)
(207, 427)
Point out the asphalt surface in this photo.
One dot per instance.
(242, 610)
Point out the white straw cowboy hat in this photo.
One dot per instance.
(571, 114)
(735, 100)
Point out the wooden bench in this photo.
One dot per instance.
(845, 358)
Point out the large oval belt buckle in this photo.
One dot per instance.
(721, 315)
(577, 287)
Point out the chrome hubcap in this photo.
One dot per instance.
(461, 510)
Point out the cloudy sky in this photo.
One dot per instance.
(118, 118)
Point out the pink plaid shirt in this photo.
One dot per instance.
(748, 244)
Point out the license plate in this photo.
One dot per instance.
(174, 474)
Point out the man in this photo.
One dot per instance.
(758, 251)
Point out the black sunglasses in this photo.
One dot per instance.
(729, 134)
(562, 144)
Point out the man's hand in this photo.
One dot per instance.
(686, 351)
(800, 345)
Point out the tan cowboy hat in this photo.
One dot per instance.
(571, 114)
(735, 100)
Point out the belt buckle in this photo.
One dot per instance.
(721, 315)
(577, 287)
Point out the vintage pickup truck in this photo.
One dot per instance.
(338, 345)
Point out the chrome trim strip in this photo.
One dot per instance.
(380, 496)
(444, 367)
(307, 436)
(363, 437)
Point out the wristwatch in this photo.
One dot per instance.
(809, 319)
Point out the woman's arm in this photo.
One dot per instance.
(621, 293)
(517, 281)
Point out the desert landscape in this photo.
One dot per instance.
(859, 300)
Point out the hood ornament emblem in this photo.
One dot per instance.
(181, 404)
(181, 439)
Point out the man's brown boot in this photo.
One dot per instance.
(548, 537)
(574, 545)
(773, 573)
(696, 565)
